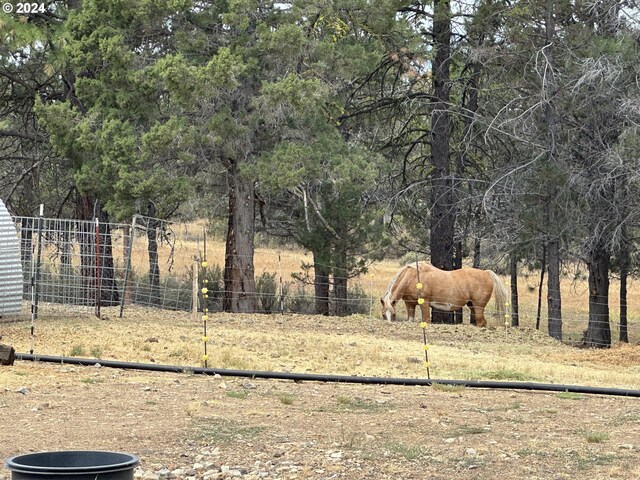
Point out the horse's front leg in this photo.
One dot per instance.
(411, 310)
(426, 312)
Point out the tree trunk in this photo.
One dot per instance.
(598, 332)
(321, 283)
(109, 295)
(554, 299)
(86, 239)
(340, 282)
(239, 280)
(152, 250)
(126, 245)
(470, 107)
(154, 267)
(458, 317)
(549, 91)
(515, 321)
(477, 258)
(442, 213)
(543, 268)
(87, 209)
(624, 274)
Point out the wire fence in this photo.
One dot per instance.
(154, 263)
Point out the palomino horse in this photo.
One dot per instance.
(444, 290)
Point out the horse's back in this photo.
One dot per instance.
(472, 283)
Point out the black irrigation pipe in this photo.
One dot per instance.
(551, 387)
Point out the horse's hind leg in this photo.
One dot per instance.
(477, 314)
(411, 310)
(472, 317)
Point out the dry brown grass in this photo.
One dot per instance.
(354, 345)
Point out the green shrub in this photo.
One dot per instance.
(286, 399)
(76, 351)
(596, 437)
(300, 301)
(267, 292)
(410, 257)
(215, 286)
(358, 301)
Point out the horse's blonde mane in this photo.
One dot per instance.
(394, 280)
(387, 295)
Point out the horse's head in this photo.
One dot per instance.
(388, 309)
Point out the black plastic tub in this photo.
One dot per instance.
(73, 465)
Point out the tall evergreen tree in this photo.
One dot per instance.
(321, 162)
(30, 173)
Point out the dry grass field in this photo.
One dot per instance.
(353, 345)
(284, 262)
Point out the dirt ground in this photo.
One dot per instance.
(220, 427)
(284, 429)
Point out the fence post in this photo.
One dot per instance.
(205, 303)
(127, 267)
(98, 282)
(281, 286)
(35, 279)
(194, 290)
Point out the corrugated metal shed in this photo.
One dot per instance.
(10, 266)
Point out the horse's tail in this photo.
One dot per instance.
(501, 295)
